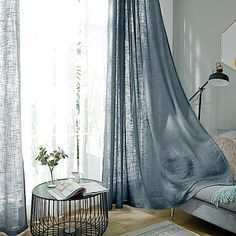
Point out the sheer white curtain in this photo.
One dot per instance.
(58, 40)
(49, 36)
(93, 61)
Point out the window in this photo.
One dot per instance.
(63, 74)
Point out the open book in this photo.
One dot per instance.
(69, 188)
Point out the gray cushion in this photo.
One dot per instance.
(227, 133)
(206, 195)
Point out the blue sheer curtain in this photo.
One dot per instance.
(12, 189)
(156, 152)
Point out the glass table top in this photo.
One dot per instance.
(41, 190)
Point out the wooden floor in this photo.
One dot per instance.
(129, 219)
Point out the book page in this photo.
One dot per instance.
(65, 189)
(93, 188)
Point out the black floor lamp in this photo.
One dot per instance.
(217, 79)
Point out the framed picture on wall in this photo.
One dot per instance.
(228, 46)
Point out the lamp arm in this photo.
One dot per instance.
(199, 90)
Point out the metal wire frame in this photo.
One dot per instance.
(77, 216)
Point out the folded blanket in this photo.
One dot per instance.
(224, 195)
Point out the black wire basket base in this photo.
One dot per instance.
(66, 229)
(82, 215)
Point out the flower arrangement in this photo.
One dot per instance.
(50, 159)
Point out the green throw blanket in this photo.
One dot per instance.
(224, 195)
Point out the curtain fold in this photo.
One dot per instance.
(12, 185)
(156, 152)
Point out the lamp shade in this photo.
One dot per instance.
(218, 78)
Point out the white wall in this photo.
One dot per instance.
(196, 48)
(167, 13)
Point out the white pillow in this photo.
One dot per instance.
(228, 147)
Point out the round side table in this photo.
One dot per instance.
(80, 215)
